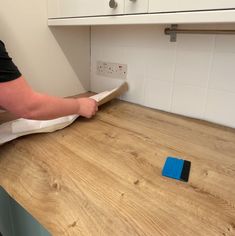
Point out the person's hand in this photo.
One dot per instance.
(87, 107)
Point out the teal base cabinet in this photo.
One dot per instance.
(6, 222)
(15, 221)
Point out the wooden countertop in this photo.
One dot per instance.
(103, 176)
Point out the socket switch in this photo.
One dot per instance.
(111, 70)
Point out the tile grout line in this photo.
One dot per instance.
(173, 77)
(209, 77)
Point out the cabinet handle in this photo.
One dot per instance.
(113, 4)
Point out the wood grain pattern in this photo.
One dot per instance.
(103, 176)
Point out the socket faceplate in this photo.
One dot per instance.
(111, 70)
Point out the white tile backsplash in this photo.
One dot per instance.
(223, 72)
(188, 100)
(158, 94)
(194, 76)
(136, 71)
(192, 68)
(220, 107)
(195, 42)
(160, 64)
(225, 44)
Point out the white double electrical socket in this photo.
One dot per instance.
(112, 70)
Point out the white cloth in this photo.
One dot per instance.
(20, 127)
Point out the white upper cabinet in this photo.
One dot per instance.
(81, 8)
(110, 12)
(136, 6)
(189, 5)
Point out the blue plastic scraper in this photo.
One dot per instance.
(176, 168)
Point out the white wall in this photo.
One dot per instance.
(194, 76)
(56, 62)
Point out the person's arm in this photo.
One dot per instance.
(20, 99)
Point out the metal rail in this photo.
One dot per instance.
(173, 31)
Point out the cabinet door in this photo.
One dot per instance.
(80, 8)
(136, 6)
(188, 5)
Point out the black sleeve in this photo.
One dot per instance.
(8, 70)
